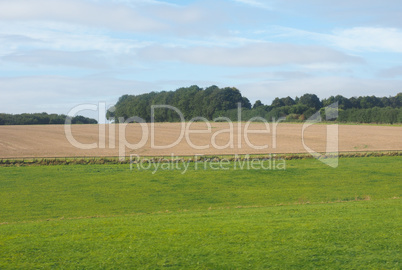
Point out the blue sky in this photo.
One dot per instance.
(56, 54)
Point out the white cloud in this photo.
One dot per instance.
(11, 41)
(147, 17)
(14, 39)
(345, 13)
(119, 17)
(272, 75)
(23, 36)
(359, 39)
(368, 39)
(392, 72)
(80, 59)
(178, 14)
(257, 54)
(25, 46)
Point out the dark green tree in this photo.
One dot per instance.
(311, 101)
(257, 104)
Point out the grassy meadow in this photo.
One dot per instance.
(108, 216)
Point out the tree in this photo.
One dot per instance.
(310, 100)
(41, 119)
(245, 103)
(257, 104)
(369, 102)
(354, 102)
(288, 101)
(213, 101)
(343, 103)
(191, 101)
(277, 103)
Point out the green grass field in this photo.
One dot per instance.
(107, 216)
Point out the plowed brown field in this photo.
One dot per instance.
(51, 140)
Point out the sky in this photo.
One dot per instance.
(58, 54)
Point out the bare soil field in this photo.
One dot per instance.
(184, 139)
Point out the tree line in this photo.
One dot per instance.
(213, 102)
(192, 101)
(42, 119)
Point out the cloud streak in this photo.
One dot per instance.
(393, 72)
(344, 13)
(368, 39)
(259, 54)
(80, 59)
(115, 16)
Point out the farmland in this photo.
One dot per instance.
(51, 141)
(108, 216)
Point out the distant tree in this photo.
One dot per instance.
(277, 102)
(298, 109)
(369, 102)
(245, 103)
(288, 101)
(343, 103)
(311, 101)
(354, 103)
(257, 104)
(40, 119)
(213, 101)
(397, 101)
(191, 101)
(385, 102)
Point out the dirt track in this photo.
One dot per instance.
(51, 141)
